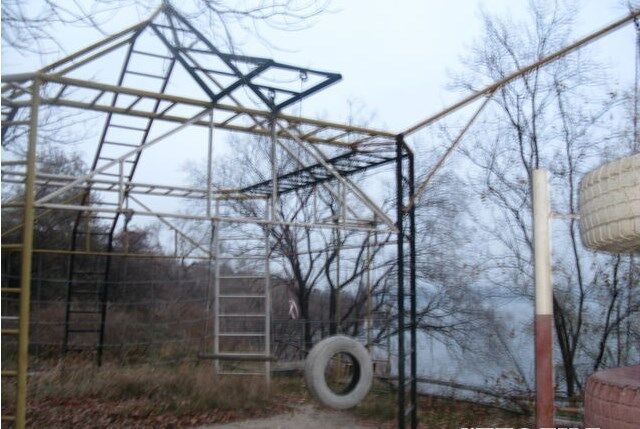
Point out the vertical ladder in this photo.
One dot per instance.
(86, 289)
(88, 276)
(24, 288)
(242, 304)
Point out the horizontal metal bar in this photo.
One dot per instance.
(201, 103)
(8, 373)
(10, 290)
(241, 315)
(241, 334)
(9, 332)
(126, 127)
(337, 225)
(150, 54)
(120, 144)
(153, 76)
(236, 296)
(11, 246)
(16, 162)
(241, 276)
(249, 357)
(134, 187)
(15, 123)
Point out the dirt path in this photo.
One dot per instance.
(306, 416)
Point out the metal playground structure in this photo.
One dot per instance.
(235, 94)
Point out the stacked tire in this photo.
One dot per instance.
(319, 358)
(610, 206)
(612, 399)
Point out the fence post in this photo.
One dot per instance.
(544, 300)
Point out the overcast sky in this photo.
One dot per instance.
(396, 58)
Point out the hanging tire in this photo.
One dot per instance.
(610, 206)
(316, 364)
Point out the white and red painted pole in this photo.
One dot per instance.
(544, 300)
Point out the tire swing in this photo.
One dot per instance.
(319, 360)
(610, 206)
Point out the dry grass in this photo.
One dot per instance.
(188, 395)
(441, 413)
(182, 389)
(143, 396)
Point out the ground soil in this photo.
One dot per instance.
(305, 416)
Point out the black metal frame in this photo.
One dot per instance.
(402, 152)
(345, 164)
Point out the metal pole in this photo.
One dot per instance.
(454, 144)
(523, 71)
(216, 291)
(412, 292)
(274, 169)
(212, 228)
(338, 238)
(544, 300)
(25, 268)
(267, 302)
(400, 286)
(369, 301)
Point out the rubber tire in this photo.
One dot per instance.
(612, 399)
(316, 364)
(610, 206)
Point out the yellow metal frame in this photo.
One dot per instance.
(26, 249)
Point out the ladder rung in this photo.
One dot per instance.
(80, 348)
(8, 373)
(241, 334)
(8, 418)
(153, 76)
(127, 127)
(150, 54)
(103, 158)
(9, 332)
(240, 276)
(12, 246)
(241, 296)
(246, 357)
(120, 144)
(242, 315)
(10, 290)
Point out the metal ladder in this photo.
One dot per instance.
(87, 288)
(19, 324)
(242, 305)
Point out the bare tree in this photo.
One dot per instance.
(559, 117)
(31, 28)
